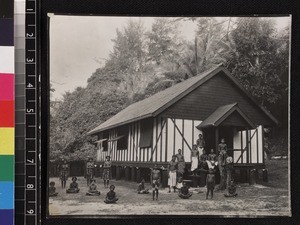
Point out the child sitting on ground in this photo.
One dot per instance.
(231, 190)
(73, 186)
(184, 192)
(52, 189)
(179, 183)
(141, 188)
(210, 183)
(111, 195)
(93, 189)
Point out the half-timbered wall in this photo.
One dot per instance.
(254, 142)
(171, 134)
(167, 138)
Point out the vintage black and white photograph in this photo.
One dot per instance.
(169, 116)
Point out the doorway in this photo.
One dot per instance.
(211, 142)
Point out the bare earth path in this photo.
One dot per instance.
(254, 200)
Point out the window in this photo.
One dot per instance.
(146, 133)
(102, 141)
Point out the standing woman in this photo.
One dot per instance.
(181, 163)
(64, 173)
(106, 171)
(90, 167)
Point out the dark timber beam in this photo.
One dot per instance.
(181, 134)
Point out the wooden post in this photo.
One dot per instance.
(265, 175)
(164, 178)
(243, 175)
(252, 177)
(247, 145)
(127, 173)
(118, 172)
(138, 175)
(263, 143)
(133, 174)
(217, 139)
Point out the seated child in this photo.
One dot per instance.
(111, 195)
(93, 189)
(184, 192)
(210, 183)
(141, 188)
(73, 186)
(179, 183)
(231, 190)
(52, 189)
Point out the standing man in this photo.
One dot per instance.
(203, 157)
(172, 171)
(200, 142)
(64, 173)
(90, 165)
(155, 181)
(194, 159)
(181, 163)
(222, 146)
(106, 175)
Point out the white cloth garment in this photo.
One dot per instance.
(194, 163)
(172, 179)
(211, 164)
(179, 185)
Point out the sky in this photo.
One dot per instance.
(80, 44)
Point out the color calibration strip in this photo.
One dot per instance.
(7, 102)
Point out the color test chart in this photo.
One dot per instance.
(7, 103)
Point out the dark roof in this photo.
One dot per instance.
(221, 113)
(158, 102)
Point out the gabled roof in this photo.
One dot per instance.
(223, 112)
(155, 104)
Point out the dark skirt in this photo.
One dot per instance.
(185, 196)
(110, 201)
(94, 193)
(72, 190)
(106, 175)
(210, 186)
(181, 166)
(63, 176)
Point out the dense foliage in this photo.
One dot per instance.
(145, 62)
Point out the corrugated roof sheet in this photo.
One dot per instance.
(147, 107)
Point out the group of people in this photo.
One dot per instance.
(91, 182)
(73, 189)
(207, 164)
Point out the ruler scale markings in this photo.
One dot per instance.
(31, 107)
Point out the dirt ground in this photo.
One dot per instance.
(262, 199)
